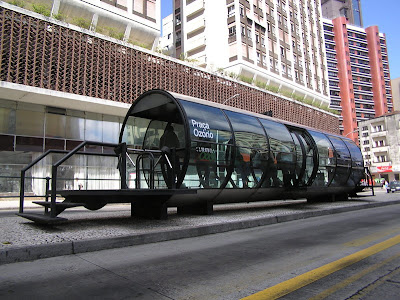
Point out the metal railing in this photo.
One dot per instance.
(121, 151)
(55, 166)
(48, 179)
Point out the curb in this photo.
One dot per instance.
(34, 252)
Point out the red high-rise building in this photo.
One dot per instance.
(358, 72)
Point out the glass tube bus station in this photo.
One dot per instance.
(184, 152)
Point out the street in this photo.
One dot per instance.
(232, 265)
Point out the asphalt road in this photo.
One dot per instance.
(342, 256)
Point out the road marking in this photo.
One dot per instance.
(353, 278)
(374, 285)
(300, 281)
(372, 237)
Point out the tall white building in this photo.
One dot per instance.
(134, 21)
(166, 43)
(276, 42)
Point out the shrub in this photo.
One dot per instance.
(246, 79)
(233, 75)
(260, 84)
(81, 22)
(41, 9)
(18, 3)
(272, 88)
(60, 17)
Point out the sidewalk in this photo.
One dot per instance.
(113, 227)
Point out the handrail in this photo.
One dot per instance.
(23, 171)
(58, 163)
(138, 159)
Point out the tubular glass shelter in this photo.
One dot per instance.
(228, 154)
(179, 151)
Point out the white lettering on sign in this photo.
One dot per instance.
(201, 130)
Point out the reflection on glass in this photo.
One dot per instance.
(327, 159)
(93, 130)
(7, 120)
(111, 131)
(357, 169)
(55, 125)
(75, 128)
(206, 123)
(343, 161)
(30, 123)
(134, 132)
(283, 153)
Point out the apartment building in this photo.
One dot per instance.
(379, 142)
(134, 21)
(275, 42)
(396, 93)
(358, 71)
(166, 43)
(350, 9)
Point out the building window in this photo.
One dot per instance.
(231, 11)
(249, 33)
(232, 30)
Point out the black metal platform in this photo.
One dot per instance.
(147, 203)
(122, 196)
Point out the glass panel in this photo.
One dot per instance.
(55, 125)
(343, 161)
(134, 132)
(251, 156)
(357, 163)
(7, 120)
(111, 128)
(327, 159)
(75, 128)
(299, 180)
(161, 134)
(209, 158)
(206, 123)
(283, 154)
(309, 153)
(94, 129)
(30, 123)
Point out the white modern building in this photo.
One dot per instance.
(279, 43)
(380, 145)
(134, 21)
(166, 43)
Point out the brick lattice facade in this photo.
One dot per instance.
(39, 53)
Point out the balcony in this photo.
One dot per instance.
(194, 7)
(195, 24)
(377, 134)
(195, 43)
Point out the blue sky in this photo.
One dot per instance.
(383, 13)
